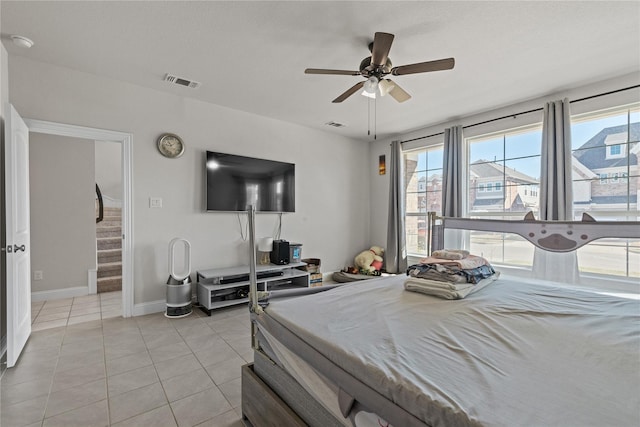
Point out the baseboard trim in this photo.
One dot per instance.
(78, 291)
(149, 307)
(92, 279)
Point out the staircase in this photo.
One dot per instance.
(109, 243)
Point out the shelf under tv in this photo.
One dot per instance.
(216, 286)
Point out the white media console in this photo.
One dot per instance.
(223, 287)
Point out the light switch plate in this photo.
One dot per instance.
(155, 202)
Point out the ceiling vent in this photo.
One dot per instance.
(180, 81)
(335, 124)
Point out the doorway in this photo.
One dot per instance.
(91, 135)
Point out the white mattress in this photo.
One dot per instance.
(514, 353)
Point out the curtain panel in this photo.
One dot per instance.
(452, 173)
(556, 190)
(395, 255)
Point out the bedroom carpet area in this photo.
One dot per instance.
(141, 371)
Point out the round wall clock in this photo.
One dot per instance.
(170, 145)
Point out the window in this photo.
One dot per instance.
(603, 178)
(423, 189)
(606, 180)
(614, 177)
(511, 161)
(503, 173)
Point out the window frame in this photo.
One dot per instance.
(526, 122)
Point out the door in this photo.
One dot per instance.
(18, 235)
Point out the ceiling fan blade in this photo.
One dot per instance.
(398, 93)
(424, 67)
(324, 71)
(353, 89)
(381, 47)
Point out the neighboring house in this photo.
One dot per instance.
(497, 188)
(493, 188)
(609, 176)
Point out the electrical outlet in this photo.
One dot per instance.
(37, 275)
(155, 202)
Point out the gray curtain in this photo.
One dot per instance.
(395, 255)
(452, 173)
(556, 193)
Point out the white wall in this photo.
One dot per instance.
(332, 194)
(379, 205)
(63, 225)
(108, 164)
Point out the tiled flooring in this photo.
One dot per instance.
(70, 311)
(141, 371)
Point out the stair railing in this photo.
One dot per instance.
(100, 204)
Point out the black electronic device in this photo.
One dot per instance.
(280, 252)
(244, 277)
(236, 182)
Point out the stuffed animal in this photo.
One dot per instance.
(370, 260)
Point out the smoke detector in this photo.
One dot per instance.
(181, 81)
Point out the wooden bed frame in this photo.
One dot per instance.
(263, 405)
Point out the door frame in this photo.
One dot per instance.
(126, 139)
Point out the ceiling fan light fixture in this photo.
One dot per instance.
(369, 94)
(371, 85)
(372, 88)
(385, 86)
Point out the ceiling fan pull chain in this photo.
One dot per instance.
(368, 116)
(375, 118)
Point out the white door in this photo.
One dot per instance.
(18, 235)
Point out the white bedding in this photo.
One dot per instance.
(514, 353)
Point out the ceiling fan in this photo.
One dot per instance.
(375, 67)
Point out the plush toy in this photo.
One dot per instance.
(370, 260)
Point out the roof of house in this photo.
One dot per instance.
(593, 154)
(486, 169)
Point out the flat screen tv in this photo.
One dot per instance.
(236, 182)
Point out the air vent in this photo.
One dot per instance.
(181, 81)
(335, 124)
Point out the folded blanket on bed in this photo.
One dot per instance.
(468, 262)
(450, 253)
(446, 290)
(450, 273)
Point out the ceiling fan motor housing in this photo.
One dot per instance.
(369, 70)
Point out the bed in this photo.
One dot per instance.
(518, 352)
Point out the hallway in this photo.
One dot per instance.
(70, 311)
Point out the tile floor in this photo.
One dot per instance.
(141, 371)
(70, 311)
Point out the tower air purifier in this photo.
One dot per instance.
(179, 283)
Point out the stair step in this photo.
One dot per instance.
(107, 224)
(109, 284)
(111, 217)
(107, 243)
(109, 270)
(109, 256)
(111, 211)
(109, 232)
